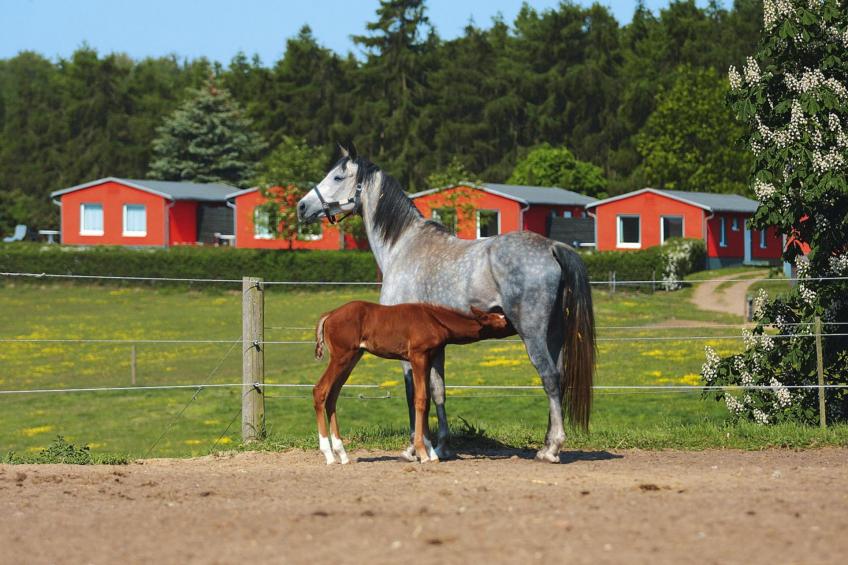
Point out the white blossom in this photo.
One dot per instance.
(733, 405)
(735, 78)
(776, 9)
(760, 417)
(710, 367)
(763, 190)
(839, 264)
(759, 302)
(752, 71)
(784, 398)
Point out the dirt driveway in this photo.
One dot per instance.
(634, 506)
(731, 300)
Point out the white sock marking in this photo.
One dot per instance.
(324, 446)
(338, 448)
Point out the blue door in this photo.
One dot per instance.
(747, 245)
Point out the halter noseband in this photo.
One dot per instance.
(333, 208)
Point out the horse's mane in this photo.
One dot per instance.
(395, 211)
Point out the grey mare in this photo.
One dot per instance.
(540, 285)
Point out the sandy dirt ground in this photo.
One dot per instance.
(776, 506)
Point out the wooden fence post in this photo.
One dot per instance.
(253, 363)
(132, 365)
(820, 370)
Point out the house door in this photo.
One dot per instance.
(747, 245)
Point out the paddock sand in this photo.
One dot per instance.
(774, 506)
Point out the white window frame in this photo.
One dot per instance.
(618, 230)
(662, 227)
(497, 212)
(84, 231)
(734, 225)
(763, 242)
(567, 214)
(722, 235)
(127, 233)
(258, 229)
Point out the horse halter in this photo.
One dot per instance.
(333, 208)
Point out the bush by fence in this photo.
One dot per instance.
(680, 256)
(684, 256)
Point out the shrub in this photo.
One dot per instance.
(60, 451)
(190, 262)
(667, 263)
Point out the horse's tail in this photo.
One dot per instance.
(319, 337)
(578, 348)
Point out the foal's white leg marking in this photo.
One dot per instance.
(338, 448)
(408, 453)
(324, 446)
(431, 453)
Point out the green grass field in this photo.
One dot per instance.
(131, 422)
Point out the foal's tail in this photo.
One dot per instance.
(319, 337)
(578, 349)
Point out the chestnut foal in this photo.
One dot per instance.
(408, 332)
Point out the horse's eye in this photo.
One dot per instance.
(338, 179)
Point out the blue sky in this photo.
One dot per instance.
(218, 29)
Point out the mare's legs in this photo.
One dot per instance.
(420, 373)
(437, 388)
(332, 398)
(546, 356)
(409, 452)
(336, 369)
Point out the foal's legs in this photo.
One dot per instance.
(337, 369)
(420, 373)
(332, 398)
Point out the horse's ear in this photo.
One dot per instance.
(351, 148)
(344, 152)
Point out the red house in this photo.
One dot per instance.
(250, 233)
(474, 211)
(648, 217)
(113, 211)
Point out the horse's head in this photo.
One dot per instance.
(339, 191)
(493, 324)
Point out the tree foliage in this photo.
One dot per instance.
(792, 96)
(208, 139)
(557, 166)
(285, 176)
(691, 140)
(567, 76)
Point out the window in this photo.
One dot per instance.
(628, 232)
(262, 224)
(722, 240)
(488, 223)
(566, 214)
(735, 224)
(310, 232)
(763, 244)
(446, 217)
(670, 226)
(91, 219)
(135, 220)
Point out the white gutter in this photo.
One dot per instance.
(168, 208)
(594, 217)
(521, 216)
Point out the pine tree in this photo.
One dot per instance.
(208, 139)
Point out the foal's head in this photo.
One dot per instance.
(492, 324)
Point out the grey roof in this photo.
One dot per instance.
(540, 194)
(172, 190)
(716, 202)
(709, 201)
(524, 194)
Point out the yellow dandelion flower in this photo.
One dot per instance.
(29, 432)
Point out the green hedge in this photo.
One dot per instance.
(228, 263)
(688, 255)
(190, 262)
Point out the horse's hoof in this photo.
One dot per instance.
(545, 456)
(444, 452)
(408, 454)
